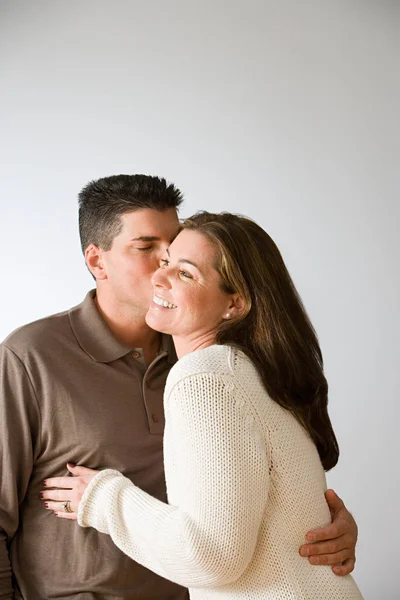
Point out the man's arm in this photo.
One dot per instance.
(6, 592)
(334, 544)
(18, 418)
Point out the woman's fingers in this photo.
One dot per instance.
(54, 506)
(63, 493)
(59, 495)
(58, 507)
(59, 482)
(68, 482)
(78, 470)
(64, 515)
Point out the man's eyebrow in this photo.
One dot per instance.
(146, 238)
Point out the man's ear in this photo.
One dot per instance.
(237, 306)
(94, 262)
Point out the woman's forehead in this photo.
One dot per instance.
(194, 247)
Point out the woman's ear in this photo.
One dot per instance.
(94, 262)
(236, 307)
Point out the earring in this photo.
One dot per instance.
(227, 316)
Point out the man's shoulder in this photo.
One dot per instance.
(38, 333)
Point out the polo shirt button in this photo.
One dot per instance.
(136, 354)
(154, 418)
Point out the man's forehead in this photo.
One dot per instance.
(150, 225)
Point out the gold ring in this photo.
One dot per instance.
(66, 506)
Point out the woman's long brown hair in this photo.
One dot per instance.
(274, 331)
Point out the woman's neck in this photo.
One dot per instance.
(186, 344)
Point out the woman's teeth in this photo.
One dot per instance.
(162, 302)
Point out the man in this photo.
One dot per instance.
(86, 385)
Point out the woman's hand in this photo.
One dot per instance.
(66, 493)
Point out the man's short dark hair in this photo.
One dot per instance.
(103, 201)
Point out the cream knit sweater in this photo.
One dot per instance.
(244, 484)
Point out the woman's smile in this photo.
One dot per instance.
(162, 302)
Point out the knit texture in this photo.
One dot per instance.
(244, 481)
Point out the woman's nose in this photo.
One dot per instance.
(160, 278)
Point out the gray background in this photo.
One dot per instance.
(284, 111)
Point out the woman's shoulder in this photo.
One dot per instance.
(217, 361)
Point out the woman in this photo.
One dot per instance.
(247, 434)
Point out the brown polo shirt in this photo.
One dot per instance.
(70, 392)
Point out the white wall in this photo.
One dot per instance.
(284, 111)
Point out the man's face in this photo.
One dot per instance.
(135, 255)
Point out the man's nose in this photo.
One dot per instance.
(156, 257)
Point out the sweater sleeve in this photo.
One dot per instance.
(217, 481)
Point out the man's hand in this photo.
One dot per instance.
(334, 544)
(66, 493)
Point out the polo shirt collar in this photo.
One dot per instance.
(95, 338)
(168, 349)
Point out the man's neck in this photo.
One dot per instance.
(129, 329)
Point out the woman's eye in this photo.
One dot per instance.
(164, 262)
(185, 274)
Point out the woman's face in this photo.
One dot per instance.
(187, 299)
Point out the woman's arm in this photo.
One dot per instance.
(217, 480)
